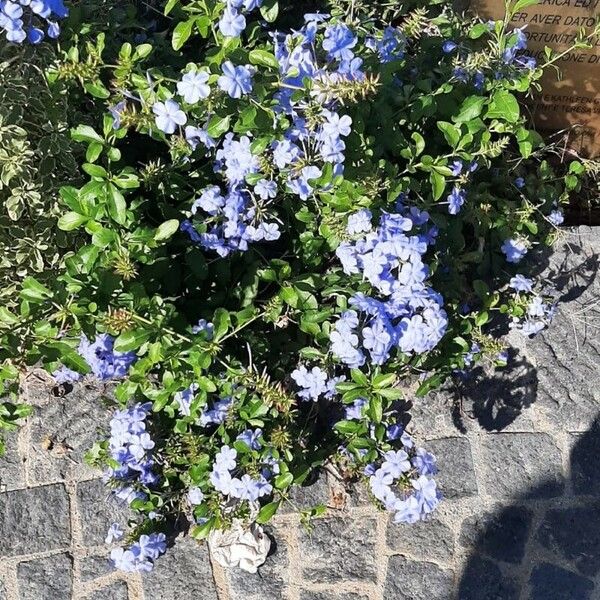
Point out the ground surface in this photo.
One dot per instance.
(520, 470)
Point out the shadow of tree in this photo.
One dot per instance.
(545, 550)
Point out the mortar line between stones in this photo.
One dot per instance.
(219, 578)
(381, 551)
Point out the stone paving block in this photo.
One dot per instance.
(268, 583)
(413, 580)
(49, 578)
(339, 549)
(521, 464)
(98, 508)
(114, 591)
(62, 430)
(2, 590)
(456, 477)
(309, 595)
(501, 535)
(551, 582)
(34, 520)
(483, 580)
(183, 572)
(427, 540)
(585, 469)
(308, 496)
(573, 534)
(12, 474)
(92, 567)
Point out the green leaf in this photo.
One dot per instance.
(384, 380)
(96, 89)
(269, 10)
(503, 106)
(182, 33)
(470, 109)
(430, 384)
(166, 230)
(267, 512)
(478, 30)
(347, 427)
(284, 481)
(451, 132)
(95, 170)
(217, 126)
(359, 377)
(263, 58)
(131, 340)
(481, 319)
(521, 4)
(221, 322)
(71, 220)
(34, 291)
(117, 208)
(438, 184)
(85, 133)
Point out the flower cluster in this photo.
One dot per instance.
(130, 447)
(538, 312)
(407, 471)
(407, 314)
(139, 557)
(245, 487)
(100, 355)
(19, 26)
(233, 20)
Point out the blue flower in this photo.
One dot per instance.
(236, 80)
(193, 87)
(168, 115)
(520, 283)
(251, 438)
(396, 463)
(359, 222)
(114, 534)
(456, 199)
(338, 42)
(424, 462)
(449, 46)
(266, 189)
(520, 182)
(514, 250)
(313, 382)
(195, 496)
(556, 217)
(232, 23)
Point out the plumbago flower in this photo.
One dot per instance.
(24, 20)
(292, 218)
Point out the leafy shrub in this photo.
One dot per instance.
(286, 235)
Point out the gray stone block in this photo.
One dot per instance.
(2, 590)
(522, 464)
(308, 496)
(183, 572)
(549, 581)
(270, 580)
(573, 534)
(483, 580)
(34, 520)
(427, 540)
(456, 477)
(501, 536)
(339, 549)
(62, 431)
(49, 578)
(114, 591)
(92, 567)
(98, 508)
(11, 465)
(585, 466)
(413, 580)
(309, 595)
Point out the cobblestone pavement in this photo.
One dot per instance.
(518, 455)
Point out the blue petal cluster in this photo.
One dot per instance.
(39, 20)
(408, 465)
(404, 313)
(130, 446)
(102, 359)
(139, 557)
